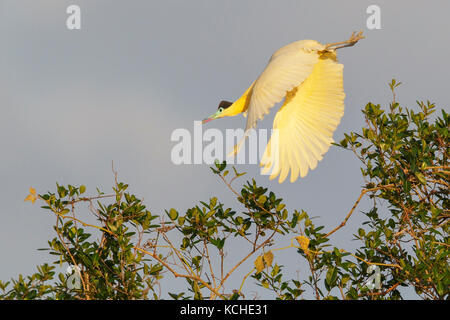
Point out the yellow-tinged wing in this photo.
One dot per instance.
(305, 123)
(288, 67)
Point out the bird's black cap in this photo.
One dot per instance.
(224, 104)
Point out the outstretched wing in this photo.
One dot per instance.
(288, 67)
(305, 123)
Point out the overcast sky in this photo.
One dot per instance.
(74, 100)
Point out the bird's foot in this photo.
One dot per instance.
(354, 38)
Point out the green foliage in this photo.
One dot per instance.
(405, 163)
(111, 268)
(404, 157)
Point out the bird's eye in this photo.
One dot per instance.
(224, 105)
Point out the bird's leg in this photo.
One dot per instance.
(354, 38)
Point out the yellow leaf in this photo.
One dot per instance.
(259, 264)
(268, 258)
(32, 196)
(263, 261)
(303, 242)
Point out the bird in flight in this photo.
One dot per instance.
(308, 76)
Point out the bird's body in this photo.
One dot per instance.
(307, 75)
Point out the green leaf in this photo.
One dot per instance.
(173, 214)
(262, 199)
(331, 277)
(185, 243)
(221, 244)
(421, 178)
(213, 202)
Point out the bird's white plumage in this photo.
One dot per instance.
(306, 121)
(307, 74)
(288, 67)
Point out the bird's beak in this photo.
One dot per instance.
(210, 118)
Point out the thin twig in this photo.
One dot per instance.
(354, 207)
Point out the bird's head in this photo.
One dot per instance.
(221, 111)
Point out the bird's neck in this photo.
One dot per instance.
(240, 105)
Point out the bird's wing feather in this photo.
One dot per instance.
(287, 68)
(305, 123)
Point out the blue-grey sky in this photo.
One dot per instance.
(72, 101)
